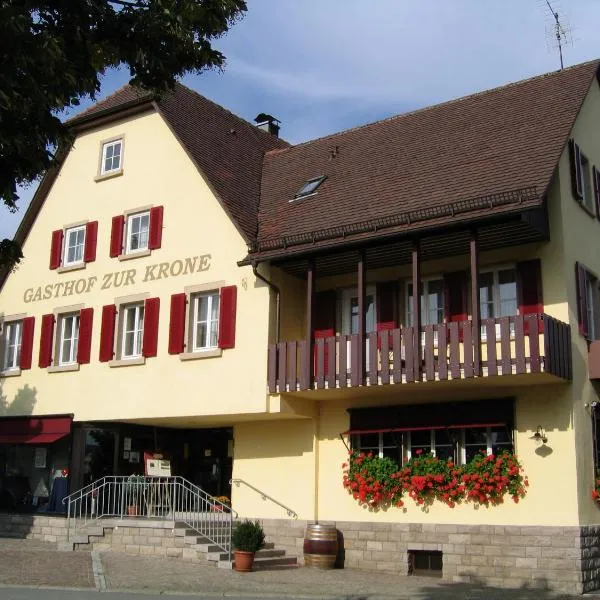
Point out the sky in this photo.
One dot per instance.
(321, 66)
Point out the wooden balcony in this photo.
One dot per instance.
(535, 343)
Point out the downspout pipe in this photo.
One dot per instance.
(277, 294)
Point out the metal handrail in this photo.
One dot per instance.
(290, 512)
(152, 498)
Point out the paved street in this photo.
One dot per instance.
(30, 570)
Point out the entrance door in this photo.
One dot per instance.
(100, 455)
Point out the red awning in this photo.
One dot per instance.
(34, 430)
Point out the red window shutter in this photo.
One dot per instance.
(46, 340)
(27, 342)
(91, 237)
(56, 249)
(576, 174)
(455, 298)
(116, 235)
(227, 314)
(529, 289)
(156, 223)
(150, 335)
(107, 332)
(177, 324)
(84, 347)
(582, 307)
(597, 190)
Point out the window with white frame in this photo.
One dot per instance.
(138, 226)
(498, 293)
(205, 321)
(432, 302)
(111, 157)
(132, 328)
(68, 339)
(12, 335)
(74, 246)
(350, 310)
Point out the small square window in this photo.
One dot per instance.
(74, 246)
(138, 226)
(310, 187)
(132, 329)
(11, 345)
(205, 321)
(112, 155)
(68, 339)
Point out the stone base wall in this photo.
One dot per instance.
(35, 527)
(565, 559)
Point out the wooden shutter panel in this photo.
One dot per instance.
(582, 307)
(455, 299)
(116, 235)
(576, 174)
(227, 315)
(386, 301)
(27, 342)
(156, 223)
(84, 346)
(177, 324)
(91, 238)
(596, 173)
(107, 332)
(56, 249)
(150, 335)
(529, 289)
(46, 340)
(324, 323)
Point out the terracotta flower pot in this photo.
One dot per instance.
(243, 561)
(132, 511)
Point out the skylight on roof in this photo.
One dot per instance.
(310, 187)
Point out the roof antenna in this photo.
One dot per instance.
(561, 35)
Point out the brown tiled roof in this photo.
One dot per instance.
(228, 150)
(494, 151)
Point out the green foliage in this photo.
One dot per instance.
(248, 536)
(56, 52)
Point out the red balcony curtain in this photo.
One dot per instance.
(455, 299)
(386, 301)
(177, 324)
(529, 289)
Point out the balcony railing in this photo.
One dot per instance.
(535, 343)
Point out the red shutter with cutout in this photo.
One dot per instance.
(529, 290)
(227, 315)
(455, 299)
(46, 339)
(150, 335)
(107, 332)
(576, 174)
(116, 235)
(56, 249)
(27, 342)
(91, 237)
(386, 300)
(84, 346)
(177, 324)
(582, 307)
(156, 223)
(324, 321)
(597, 190)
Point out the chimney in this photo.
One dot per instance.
(268, 123)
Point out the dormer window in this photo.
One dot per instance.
(310, 187)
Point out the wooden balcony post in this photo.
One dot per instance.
(416, 307)
(475, 306)
(309, 365)
(362, 325)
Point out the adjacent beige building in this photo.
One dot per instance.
(195, 286)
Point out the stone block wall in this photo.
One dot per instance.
(565, 559)
(35, 527)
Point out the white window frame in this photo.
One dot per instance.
(137, 331)
(7, 328)
(129, 220)
(211, 324)
(496, 298)
(71, 357)
(105, 147)
(349, 294)
(425, 305)
(68, 232)
(587, 190)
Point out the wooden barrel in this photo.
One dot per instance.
(320, 546)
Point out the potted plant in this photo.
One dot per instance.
(134, 487)
(248, 538)
(220, 503)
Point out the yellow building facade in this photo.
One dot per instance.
(195, 287)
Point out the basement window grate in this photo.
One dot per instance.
(425, 562)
